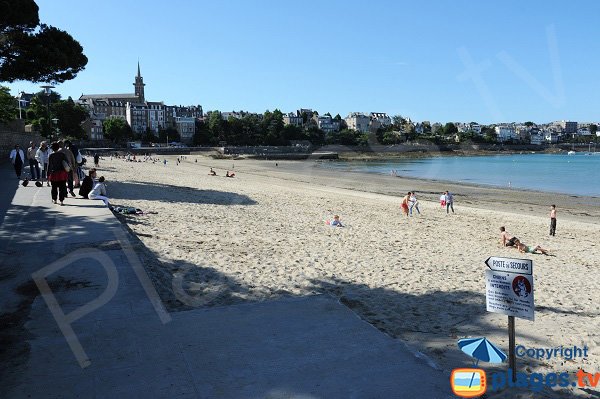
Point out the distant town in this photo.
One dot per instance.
(130, 116)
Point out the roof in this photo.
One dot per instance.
(107, 96)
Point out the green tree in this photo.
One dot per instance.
(529, 123)
(169, 134)
(215, 125)
(117, 130)
(40, 112)
(70, 117)
(8, 105)
(450, 129)
(148, 136)
(33, 51)
(203, 135)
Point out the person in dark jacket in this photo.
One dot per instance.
(57, 174)
(88, 183)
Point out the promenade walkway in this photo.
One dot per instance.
(100, 331)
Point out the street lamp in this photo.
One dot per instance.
(47, 91)
(55, 130)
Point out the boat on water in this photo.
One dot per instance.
(571, 153)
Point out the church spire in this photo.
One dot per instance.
(139, 85)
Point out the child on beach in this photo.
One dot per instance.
(404, 204)
(443, 200)
(553, 220)
(336, 221)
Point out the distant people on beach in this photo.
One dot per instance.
(57, 173)
(99, 192)
(230, 174)
(17, 158)
(507, 239)
(449, 198)
(531, 249)
(404, 203)
(413, 203)
(336, 222)
(552, 220)
(212, 172)
(88, 183)
(41, 156)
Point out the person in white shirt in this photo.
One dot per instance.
(17, 158)
(99, 191)
(413, 203)
(41, 156)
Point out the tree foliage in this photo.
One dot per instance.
(117, 130)
(33, 51)
(8, 105)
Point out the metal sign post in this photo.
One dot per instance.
(511, 348)
(509, 291)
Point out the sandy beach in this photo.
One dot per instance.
(213, 241)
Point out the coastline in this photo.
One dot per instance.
(572, 207)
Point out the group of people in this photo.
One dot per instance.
(410, 202)
(447, 201)
(509, 240)
(60, 165)
(211, 172)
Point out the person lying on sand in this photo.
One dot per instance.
(336, 221)
(530, 249)
(230, 174)
(507, 239)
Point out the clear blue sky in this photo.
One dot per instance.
(533, 60)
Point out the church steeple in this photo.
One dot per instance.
(139, 85)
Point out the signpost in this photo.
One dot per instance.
(509, 291)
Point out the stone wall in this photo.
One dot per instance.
(14, 133)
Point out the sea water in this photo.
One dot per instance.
(577, 174)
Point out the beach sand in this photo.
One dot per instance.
(216, 241)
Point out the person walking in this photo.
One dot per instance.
(17, 157)
(449, 201)
(41, 156)
(413, 203)
(553, 220)
(57, 173)
(96, 160)
(64, 148)
(34, 167)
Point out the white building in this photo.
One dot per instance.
(156, 116)
(186, 127)
(137, 117)
(358, 121)
(327, 124)
(505, 133)
(537, 139)
(293, 119)
(382, 118)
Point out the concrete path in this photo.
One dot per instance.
(100, 331)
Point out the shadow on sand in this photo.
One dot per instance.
(169, 193)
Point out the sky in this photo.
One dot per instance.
(481, 61)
